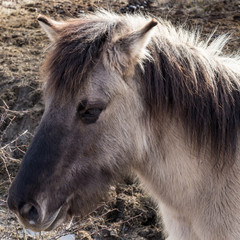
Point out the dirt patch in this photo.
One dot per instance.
(129, 214)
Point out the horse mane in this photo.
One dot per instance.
(194, 81)
(181, 75)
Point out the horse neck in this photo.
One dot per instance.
(170, 167)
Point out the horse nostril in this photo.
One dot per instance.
(30, 213)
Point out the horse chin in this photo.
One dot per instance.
(58, 218)
(63, 215)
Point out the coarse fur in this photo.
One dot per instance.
(130, 93)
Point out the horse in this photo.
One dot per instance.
(128, 94)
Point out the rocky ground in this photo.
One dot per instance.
(129, 213)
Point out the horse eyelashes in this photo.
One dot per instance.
(93, 112)
(81, 107)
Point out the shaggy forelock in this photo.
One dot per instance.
(73, 56)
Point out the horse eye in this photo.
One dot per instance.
(88, 115)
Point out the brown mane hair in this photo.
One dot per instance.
(183, 76)
(208, 103)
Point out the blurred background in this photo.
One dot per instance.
(128, 213)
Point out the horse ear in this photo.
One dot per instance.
(135, 42)
(51, 27)
(132, 46)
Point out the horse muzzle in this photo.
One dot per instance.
(36, 218)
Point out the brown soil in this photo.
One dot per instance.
(129, 214)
